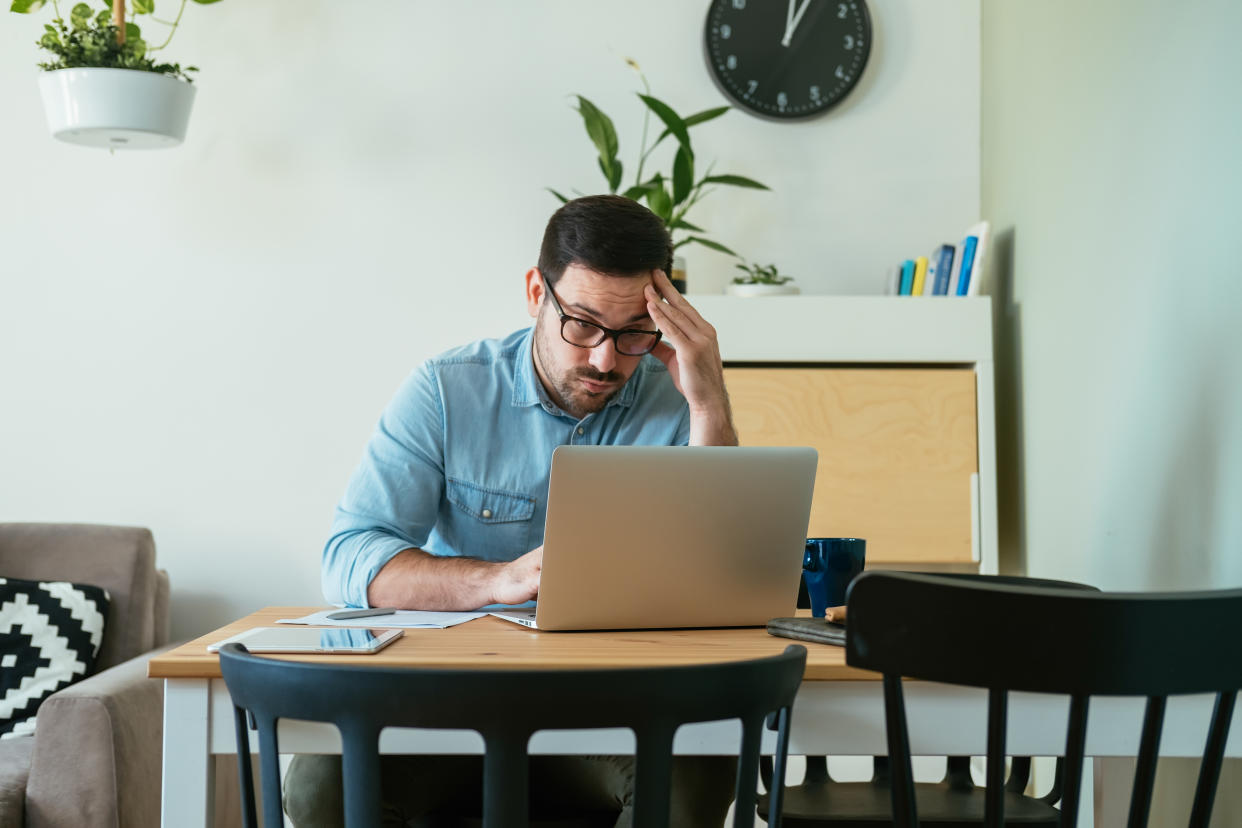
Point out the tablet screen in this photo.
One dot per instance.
(312, 640)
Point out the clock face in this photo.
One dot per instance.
(787, 59)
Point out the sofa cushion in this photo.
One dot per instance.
(50, 632)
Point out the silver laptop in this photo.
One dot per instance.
(647, 537)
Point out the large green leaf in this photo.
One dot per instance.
(604, 136)
(736, 181)
(639, 190)
(659, 201)
(671, 120)
(683, 175)
(682, 224)
(612, 173)
(26, 6)
(144, 6)
(80, 16)
(698, 118)
(709, 243)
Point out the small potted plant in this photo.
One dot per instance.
(760, 280)
(671, 194)
(103, 87)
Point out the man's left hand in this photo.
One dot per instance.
(693, 362)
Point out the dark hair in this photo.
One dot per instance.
(609, 234)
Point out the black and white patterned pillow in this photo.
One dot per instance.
(50, 632)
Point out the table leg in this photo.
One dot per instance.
(188, 778)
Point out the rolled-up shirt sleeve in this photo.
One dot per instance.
(394, 495)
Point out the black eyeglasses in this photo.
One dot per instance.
(584, 334)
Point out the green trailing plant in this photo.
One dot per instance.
(91, 37)
(757, 274)
(670, 194)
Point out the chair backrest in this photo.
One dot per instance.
(1047, 640)
(506, 707)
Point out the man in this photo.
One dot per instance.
(446, 510)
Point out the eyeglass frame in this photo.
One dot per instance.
(607, 333)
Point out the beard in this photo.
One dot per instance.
(567, 390)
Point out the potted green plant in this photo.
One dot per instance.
(105, 86)
(760, 280)
(671, 193)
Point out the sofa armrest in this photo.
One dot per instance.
(97, 752)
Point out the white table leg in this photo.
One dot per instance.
(188, 778)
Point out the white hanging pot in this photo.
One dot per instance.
(760, 289)
(116, 108)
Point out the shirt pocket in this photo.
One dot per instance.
(495, 523)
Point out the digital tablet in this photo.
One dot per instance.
(312, 640)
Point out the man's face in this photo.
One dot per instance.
(582, 380)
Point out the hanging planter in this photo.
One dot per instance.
(104, 89)
(118, 108)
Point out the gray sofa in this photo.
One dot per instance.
(94, 758)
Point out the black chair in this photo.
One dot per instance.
(1068, 642)
(362, 701)
(953, 802)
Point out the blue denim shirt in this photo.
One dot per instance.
(459, 462)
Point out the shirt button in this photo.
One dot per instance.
(487, 513)
(580, 430)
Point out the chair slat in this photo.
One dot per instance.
(1145, 768)
(747, 772)
(905, 814)
(506, 779)
(244, 772)
(1213, 753)
(1075, 747)
(994, 801)
(360, 769)
(777, 798)
(652, 769)
(269, 772)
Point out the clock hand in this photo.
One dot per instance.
(792, 19)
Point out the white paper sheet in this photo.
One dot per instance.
(405, 619)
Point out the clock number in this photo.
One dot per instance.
(739, 4)
(782, 100)
(754, 84)
(842, 9)
(726, 31)
(849, 41)
(731, 61)
(840, 73)
(815, 94)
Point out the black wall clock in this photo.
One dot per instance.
(787, 59)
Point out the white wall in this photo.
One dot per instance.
(1111, 136)
(199, 340)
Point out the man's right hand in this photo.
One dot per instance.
(416, 580)
(518, 580)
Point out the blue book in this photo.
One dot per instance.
(907, 277)
(968, 259)
(944, 267)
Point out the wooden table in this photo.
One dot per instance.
(839, 710)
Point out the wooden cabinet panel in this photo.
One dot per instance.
(897, 448)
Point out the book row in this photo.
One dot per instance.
(950, 270)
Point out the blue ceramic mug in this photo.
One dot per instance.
(827, 569)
